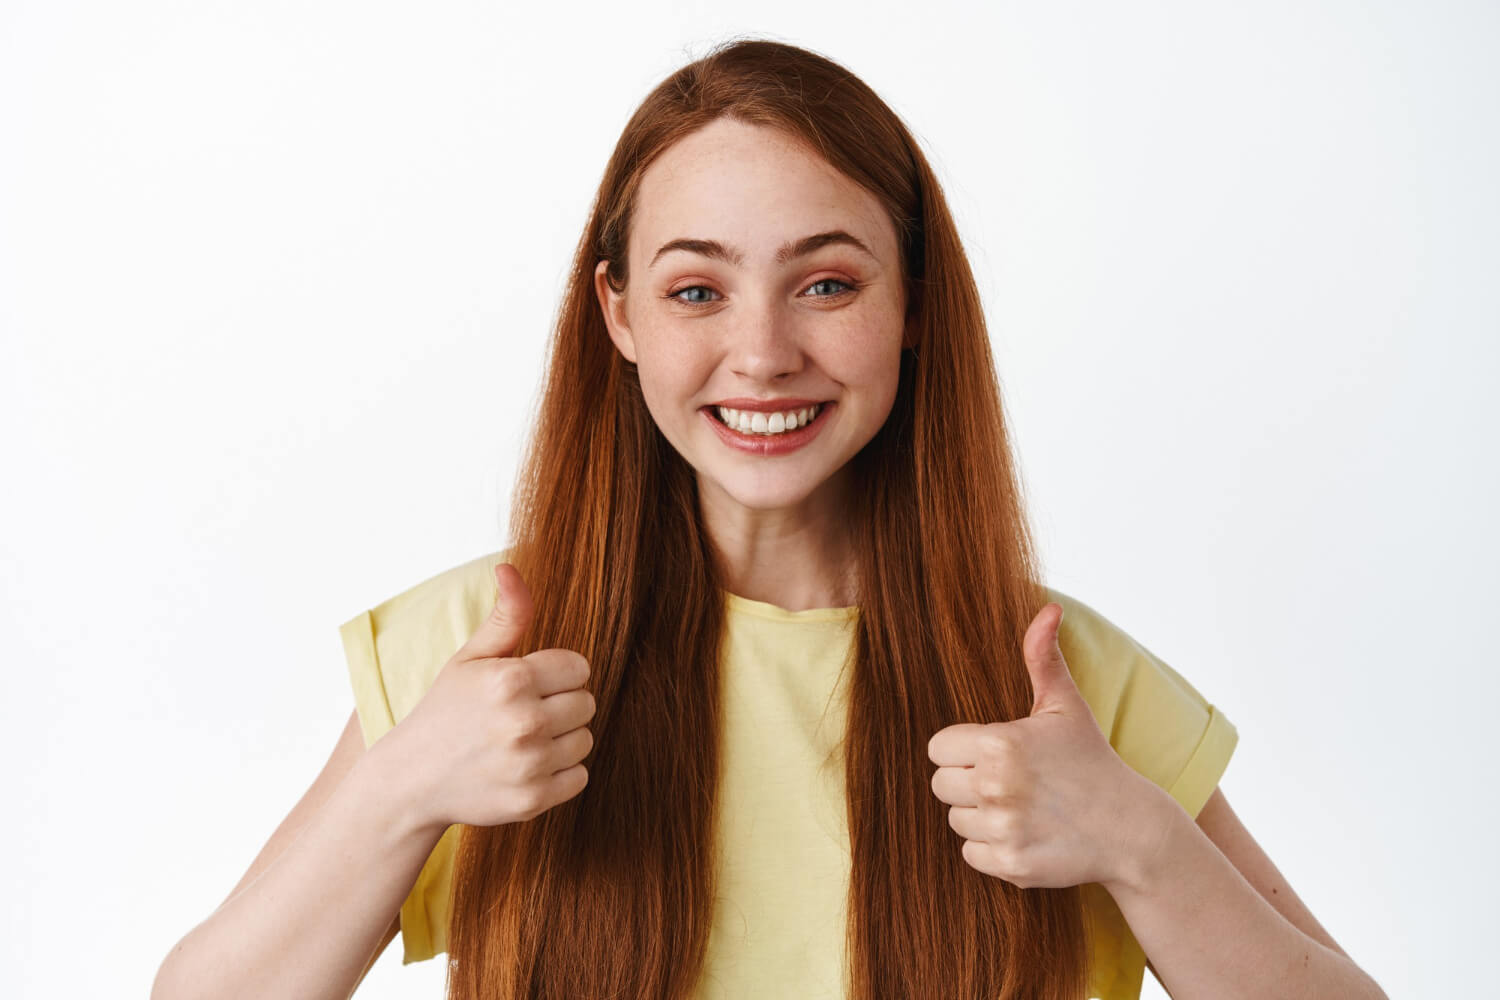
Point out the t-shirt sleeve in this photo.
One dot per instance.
(1154, 718)
(394, 652)
(1164, 729)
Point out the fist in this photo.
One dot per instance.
(1041, 801)
(500, 739)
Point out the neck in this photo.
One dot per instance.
(796, 557)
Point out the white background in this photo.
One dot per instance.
(275, 283)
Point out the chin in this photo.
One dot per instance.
(764, 496)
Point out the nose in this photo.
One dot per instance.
(766, 346)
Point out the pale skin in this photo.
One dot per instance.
(1041, 801)
(496, 739)
(1046, 802)
(765, 330)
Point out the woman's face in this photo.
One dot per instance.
(730, 304)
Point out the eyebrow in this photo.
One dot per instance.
(788, 251)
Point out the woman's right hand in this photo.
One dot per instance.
(499, 739)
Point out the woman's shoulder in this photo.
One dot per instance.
(1106, 660)
(1154, 717)
(1100, 655)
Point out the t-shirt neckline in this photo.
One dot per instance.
(762, 609)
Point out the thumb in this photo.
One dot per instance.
(1051, 682)
(501, 629)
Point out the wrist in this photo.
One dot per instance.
(1154, 821)
(384, 774)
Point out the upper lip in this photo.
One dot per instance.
(766, 405)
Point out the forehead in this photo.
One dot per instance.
(754, 188)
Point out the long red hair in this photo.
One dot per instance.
(610, 894)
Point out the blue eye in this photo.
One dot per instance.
(844, 288)
(831, 281)
(691, 288)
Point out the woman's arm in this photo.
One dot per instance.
(1217, 920)
(1047, 801)
(322, 898)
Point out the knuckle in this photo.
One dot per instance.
(1005, 829)
(515, 679)
(1006, 859)
(989, 787)
(528, 723)
(995, 743)
(530, 802)
(523, 766)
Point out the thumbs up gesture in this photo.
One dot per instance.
(1044, 801)
(498, 739)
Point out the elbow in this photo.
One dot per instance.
(162, 987)
(1372, 990)
(168, 983)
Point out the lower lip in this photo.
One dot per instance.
(769, 444)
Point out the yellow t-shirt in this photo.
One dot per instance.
(779, 921)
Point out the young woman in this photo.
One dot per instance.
(766, 698)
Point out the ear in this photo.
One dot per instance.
(612, 304)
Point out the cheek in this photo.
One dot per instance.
(670, 371)
(867, 356)
(881, 389)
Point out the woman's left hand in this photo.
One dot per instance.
(1044, 801)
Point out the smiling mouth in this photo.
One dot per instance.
(756, 422)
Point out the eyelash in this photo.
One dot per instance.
(848, 288)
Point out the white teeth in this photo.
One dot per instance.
(757, 422)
